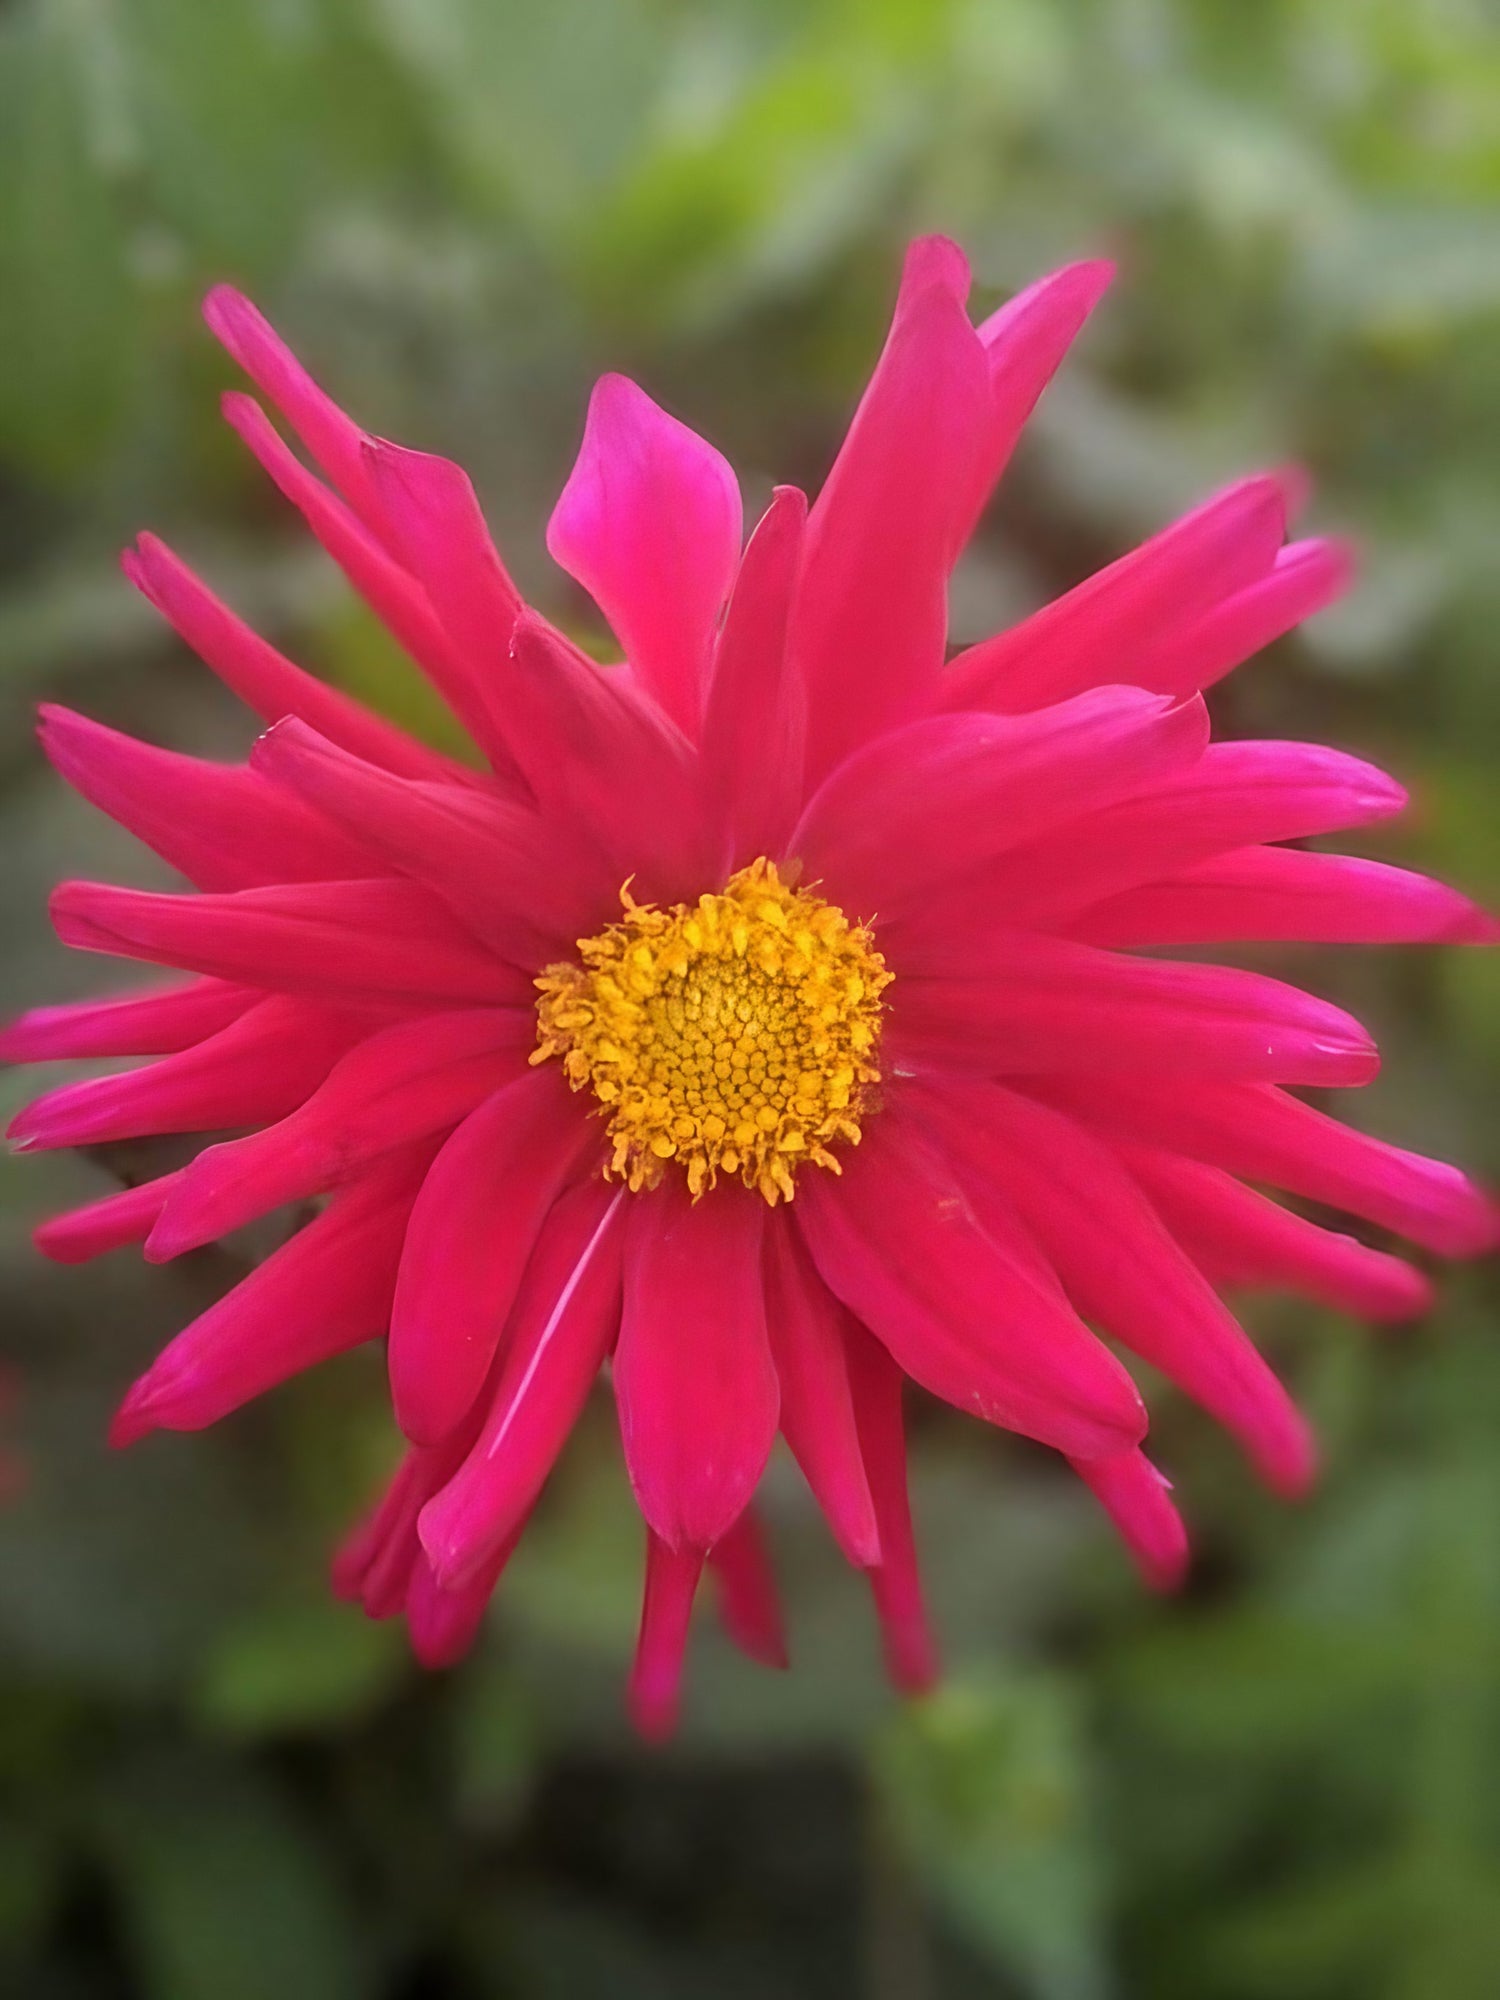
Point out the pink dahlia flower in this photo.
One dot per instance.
(763, 1021)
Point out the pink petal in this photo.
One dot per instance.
(895, 1582)
(326, 1289)
(400, 1084)
(562, 1326)
(1239, 1237)
(947, 794)
(156, 1022)
(380, 941)
(808, 1329)
(480, 1212)
(1288, 893)
(653, 1694)
(1024, 344)
(754, 719)
(1120, 1267)
(111, 1224)
(261, 1066)
(265, 680)
(1103, 628)
(220, 825)
(1306, 577)
(749, 1603)
(1235, 795)
(1134, 1495)
(693, 1375)
(392, 593)
(444, 1623)
(1260, 1134)
(886, 530)
(898, 1241)
(374, 1564)
(1017, 1003)
(649, 523)
(520, 885)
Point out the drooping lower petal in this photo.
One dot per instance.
(1119, 1265)
(809, 1343)
(898, 1241)
(749, 1603)
(1135, 1496)
(561, 1329)
(693, 1374)
(654, 1690)
(895, 1581)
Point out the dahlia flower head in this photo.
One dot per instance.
(760, 1021)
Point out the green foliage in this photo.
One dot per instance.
(214, 1781)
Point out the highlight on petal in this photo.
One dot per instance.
(649, 523)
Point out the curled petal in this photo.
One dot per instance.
(694, 1379)
(649, 523)
(895, 1581)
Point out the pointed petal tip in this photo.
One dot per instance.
(135, 1418)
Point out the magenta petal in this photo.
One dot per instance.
(398, 1085)
(1235, 795)
(563, 1324)
(1119, 1265)
(886, 530)
(895, 1582)
(1239, 1237)
(520, 885)
(1120, 616)
(1290, 894)
(809, 1332)
(259, 1067)
(395, 596)
(1306, 577)
(945, 795)
(220, 825)
(693, 1374)
(481, 1209)
(361, 942)
(1134, 1495)
(754, 721)
(444, 1622)
(326, 1289)
(749, 1602)
(265, 680)
(1260, 1134)
(649, 523)
(654, 1692)
(111, 1224)
(1016, 1003)
(155, 1022)
(966, 1316)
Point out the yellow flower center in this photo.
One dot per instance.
(735, 1035)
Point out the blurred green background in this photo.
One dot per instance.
(218, 1786)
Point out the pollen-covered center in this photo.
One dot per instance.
(735, 1035)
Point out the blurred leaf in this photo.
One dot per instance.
(297, 1667)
